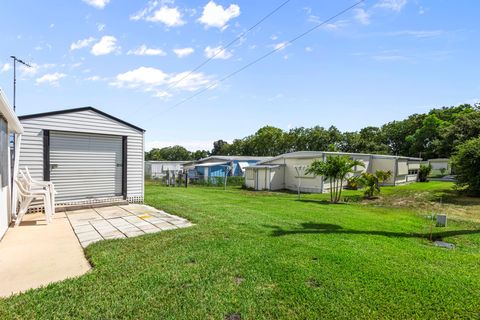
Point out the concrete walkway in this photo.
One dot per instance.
(36, 254)
(92, 225)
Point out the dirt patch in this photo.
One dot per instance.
(238, 279)
(233, 316)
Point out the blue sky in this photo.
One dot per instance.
(380, 62)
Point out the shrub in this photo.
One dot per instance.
(352, 183)
(370, 184)
(424, 172)
(467, 166)
(383, 175)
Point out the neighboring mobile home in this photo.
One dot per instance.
(440, 164)
(90, 156)
(9, 124)
(287, 171)
(215, 166)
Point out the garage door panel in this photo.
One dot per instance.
(84, 166)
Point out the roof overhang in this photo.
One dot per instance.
(14, 124)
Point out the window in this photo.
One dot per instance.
(413, 171)
(3, 152)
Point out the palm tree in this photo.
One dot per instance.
(335, 169)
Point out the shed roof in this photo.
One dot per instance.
(7, 112)
(53, 113)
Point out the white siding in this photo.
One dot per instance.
(86, 121)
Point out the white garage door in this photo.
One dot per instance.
(84, 166)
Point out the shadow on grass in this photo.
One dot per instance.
(326, 228)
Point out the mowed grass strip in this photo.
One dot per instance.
(262, 255)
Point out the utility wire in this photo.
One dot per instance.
(243, 34)
(301, 35)
(174, 84)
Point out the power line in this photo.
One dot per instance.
(228, 45)
(301, 35)
(243, 34)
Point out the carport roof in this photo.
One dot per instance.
(64, 111)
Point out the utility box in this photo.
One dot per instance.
(441, 220)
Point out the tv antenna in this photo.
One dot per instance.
(15, 60)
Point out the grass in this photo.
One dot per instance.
(262, 255)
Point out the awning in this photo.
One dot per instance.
(212, 164)
(243, 165)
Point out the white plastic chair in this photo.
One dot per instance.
(47, 185)
(25, 198)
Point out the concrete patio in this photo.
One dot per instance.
(35, 254)
(95, 224)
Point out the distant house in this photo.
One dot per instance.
(217, 166)
(159, 169)
(287, 171)
(440, 164)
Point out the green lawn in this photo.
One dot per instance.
(269, 255)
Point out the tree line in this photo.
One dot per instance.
(435, 134)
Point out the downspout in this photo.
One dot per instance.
(18, 141)
(395, 170)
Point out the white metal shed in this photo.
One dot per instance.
(89, 155)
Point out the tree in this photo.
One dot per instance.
(199, 154)
(175, 153)
(335, 169)
(220, 147)
(466, 162)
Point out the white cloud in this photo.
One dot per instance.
(143, 50)
(81, 43)
(308, 49)
(156, 81)
(99, 4)
(362, 16)
(170, 16)
(141, 76)
(50, 78)
(94, 78)
(6, 67)
(216, 16)
(217, 53)
(106, 45)
(395, 5)
(183, 52)
(417, 33)
(281, 45)
(189, 82)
